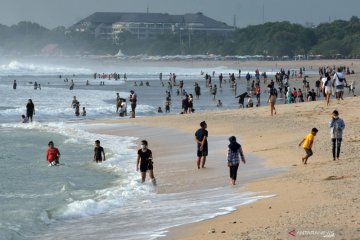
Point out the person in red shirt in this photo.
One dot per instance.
(52, 154)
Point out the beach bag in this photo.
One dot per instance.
(340, 79)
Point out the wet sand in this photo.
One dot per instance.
(321, 196)
(174, 153)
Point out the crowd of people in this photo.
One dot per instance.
(331, 82)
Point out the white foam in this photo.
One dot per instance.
(16, 68)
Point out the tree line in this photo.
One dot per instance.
(339, 38)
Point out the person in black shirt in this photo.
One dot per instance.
(30, 110)
(144, 162)
(201, 136)
(98, 152)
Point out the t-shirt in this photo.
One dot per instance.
(52, 154)
(328, 83)
(308, 141)
(337, 77)
(144, 156)
(200, 134)
(97, 152)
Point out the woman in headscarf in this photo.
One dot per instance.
(233, 158)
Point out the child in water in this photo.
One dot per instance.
(83, 113)
(52, 154)
(98, 152)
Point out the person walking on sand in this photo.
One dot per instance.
(52, 154)
(233, 159)
(30, 110)
(337, 126)
(326, 88)
(308, 142)
(339, 83)
(99, 152)
(272, 99)
(145, 163)
(201, 136)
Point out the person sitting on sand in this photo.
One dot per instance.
(52, 154)
(145, 163)
(233, 159)
(308, 142)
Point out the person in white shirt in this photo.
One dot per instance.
(339, 84)
(326, 87)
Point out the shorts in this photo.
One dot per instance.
(202, 153)
(272, 99)
(146, 165)
(309, 152)
(328, 90)
(339, 88)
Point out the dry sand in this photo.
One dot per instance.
(321, 196)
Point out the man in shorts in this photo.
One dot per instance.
(201, 136)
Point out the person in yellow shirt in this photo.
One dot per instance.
(308, 142)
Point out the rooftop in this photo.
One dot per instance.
(190, 18)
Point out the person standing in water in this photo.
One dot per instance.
(83, 113)
(30, 110)
(201, 136)
(52, 154)
(337, 126)
(14, 85)
(72, 84)
(99, 152)
(133, 100)
(145, 163)
(233, 158)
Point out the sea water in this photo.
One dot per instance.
(81, 199)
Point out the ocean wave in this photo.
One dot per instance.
(16, 68)
(121, 162)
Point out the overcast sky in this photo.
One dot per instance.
(52, 13)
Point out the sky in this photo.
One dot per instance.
(53, 13)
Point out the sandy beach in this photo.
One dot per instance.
(321, 197)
